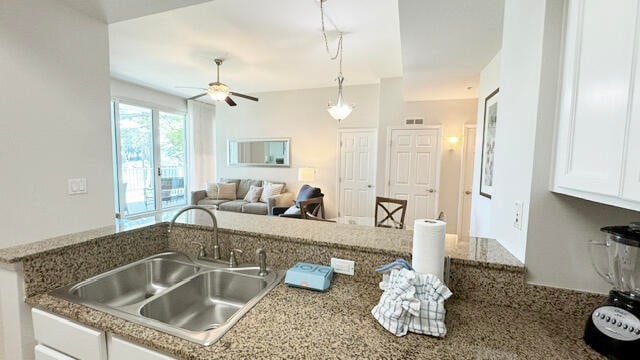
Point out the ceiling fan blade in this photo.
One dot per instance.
(189, 87)
(197, 96)
(230, 101)
(244, 96)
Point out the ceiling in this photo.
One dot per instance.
(112, 11)
(268, 45)
(438, 47)
(445, 45)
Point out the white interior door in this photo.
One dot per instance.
(413, 171)
(468, 157)
(357, 180)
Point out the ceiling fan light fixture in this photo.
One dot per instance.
(340, 110)
(218, 91)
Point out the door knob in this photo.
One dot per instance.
(431, 190)
(467, 192)
(369, 186)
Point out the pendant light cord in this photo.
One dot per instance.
(326, 41)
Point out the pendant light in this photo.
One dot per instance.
(340, 110)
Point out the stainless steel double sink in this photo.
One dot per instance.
(196, 300)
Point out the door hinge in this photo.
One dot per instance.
(339, 179)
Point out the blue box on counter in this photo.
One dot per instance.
(309, 276)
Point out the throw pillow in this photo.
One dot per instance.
(294, 210)
(227, 191)
(253, 195)
(212, 191)
(270, 189)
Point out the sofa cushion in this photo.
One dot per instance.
(230, 180)
(256, 208)
(235, 205)
(210, 202)
(245, 185)
(227, 191)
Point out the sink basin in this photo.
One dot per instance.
(206, 301)
(134, 283)
(195, 300)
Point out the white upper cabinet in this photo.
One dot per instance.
(598, 151)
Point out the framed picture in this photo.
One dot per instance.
(488, 144)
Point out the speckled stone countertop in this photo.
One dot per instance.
(356, 237)
(295, 323)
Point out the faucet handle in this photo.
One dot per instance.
(233, 260)
(201, 252)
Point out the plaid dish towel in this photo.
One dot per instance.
(431, 293)
(398, 302)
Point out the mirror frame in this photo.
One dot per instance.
(287, 142)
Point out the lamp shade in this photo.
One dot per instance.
(306, 174)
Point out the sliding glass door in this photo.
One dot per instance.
(150, 159)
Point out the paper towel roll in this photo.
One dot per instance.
(428, 247)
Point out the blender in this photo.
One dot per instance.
(613, 329)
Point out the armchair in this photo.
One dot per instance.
(306, 193)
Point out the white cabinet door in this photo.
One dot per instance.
(45, 353)
(631, 181)
(120, 349)
(594, 113)
(68, 337)
(357, 172)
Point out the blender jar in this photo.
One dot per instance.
(623, 249)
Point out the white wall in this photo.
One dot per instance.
(480, 205)
(54, 121)
(143, 95)
(452, 115)
(391, 106)
(517, 119)
(302, 116)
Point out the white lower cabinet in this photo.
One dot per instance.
(120, 349)
(45, 353)
(68, 337)
(62, 339)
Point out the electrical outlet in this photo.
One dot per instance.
(518, 209)
(342, 266)
(76, 186)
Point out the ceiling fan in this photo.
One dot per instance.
(218, 91)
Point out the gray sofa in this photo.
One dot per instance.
(199, 197)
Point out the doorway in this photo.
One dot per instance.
(149, 158)
(357, 172)
(466, 180)
(413, 172)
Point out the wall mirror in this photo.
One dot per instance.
(258, 152)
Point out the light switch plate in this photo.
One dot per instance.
(518, 209)
(76, 186)
(341, 266)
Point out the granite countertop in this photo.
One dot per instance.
(297, 323)
(358, 237)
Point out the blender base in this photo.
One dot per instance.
(613, 329)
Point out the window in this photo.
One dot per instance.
(149, 159)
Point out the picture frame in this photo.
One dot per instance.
(487, 159)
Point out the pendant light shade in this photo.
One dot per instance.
(340, 110)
